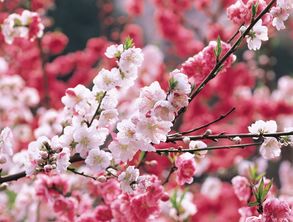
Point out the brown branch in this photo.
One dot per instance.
(97, 110)
(80, 173)
(172, 170)
(218, 65)
(12, 177)
(223, 116)
(230, 136)
(237, 146)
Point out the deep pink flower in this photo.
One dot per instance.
(186, 168)
(275, 210)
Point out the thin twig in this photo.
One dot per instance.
(223, 116)
(218, 65)
(230, 136)
(236, 146)
(172, 170)
(97, 110)
(80, 173)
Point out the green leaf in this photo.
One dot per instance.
(254, 9)
(173, 200)
(218, 49)
(253, 204)
(128, 43)
(266, 190)
(172, 83)
(260, 189)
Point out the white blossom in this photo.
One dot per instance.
(261, 127)
(270, 148)
(127, 178)
(123, 151)
(258, 34)
(152, 130)
(98, 160)
(114, 51)
(198, 145)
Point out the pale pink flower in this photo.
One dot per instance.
(211, 187)
(6, 141)
(76, 99)
(186, 168)
(198, 145)
(114, 51)
(182, 85)
(149, 96)
(62, 161)
(107, 80)
(27, 25)
(152, 130)
(280, 15)
(108, 118)
(89, 138)
(178, 100)
(258, 34)
(261, 127)
(98, 160)
(270, 148)
(127, 131)
(163, 110)
(123, 151)
(130, 60)
(127, 178)
(241, 188)
(276, 210)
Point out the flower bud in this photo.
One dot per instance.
(102, 179)
(237, 139)
(186, 140)
(165, 197)
(44, 154)
(208, 132)
(48, 168)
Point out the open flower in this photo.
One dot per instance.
(186, 168)
(258, 34)
(98, 160)
(270, 148)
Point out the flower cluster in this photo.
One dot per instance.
(45, 155)
(271, 146)
(27, 25)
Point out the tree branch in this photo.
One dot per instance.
(229, 136)
(204, 126)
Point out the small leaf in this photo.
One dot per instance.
(128, 43)
(172, 83)
(266, 190)
(253, 204)
(218, 49)
(254, 9)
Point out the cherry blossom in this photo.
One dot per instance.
(186, 168)
(98, 160)
(270, 148)
(127, 178)
(258, 34)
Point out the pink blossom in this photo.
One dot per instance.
(186, 168)
(276, 210)
(241, 188)
(270, 148)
